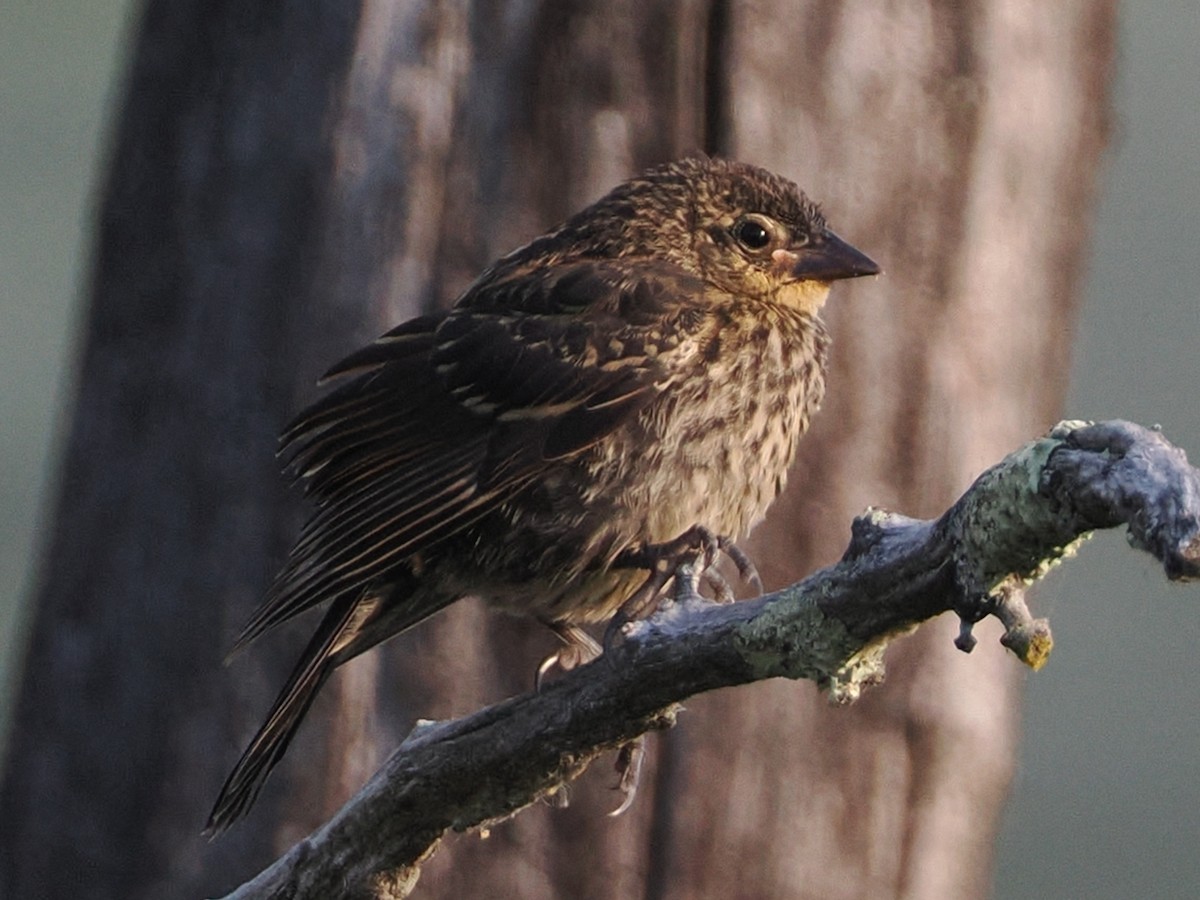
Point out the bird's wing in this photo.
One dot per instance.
(452, 414)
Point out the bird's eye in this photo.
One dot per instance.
(751, 234)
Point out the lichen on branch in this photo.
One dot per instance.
(1016, 521)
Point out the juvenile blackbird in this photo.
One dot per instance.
(645, 367)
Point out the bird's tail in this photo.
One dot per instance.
(316, 663)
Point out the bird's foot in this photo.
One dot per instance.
(691, 560)
(580, 648)
(745, 566)
(629, 767)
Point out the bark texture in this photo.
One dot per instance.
(288, 180)
(1018, 520)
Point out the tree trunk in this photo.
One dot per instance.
(287, 181)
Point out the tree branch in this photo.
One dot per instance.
(1016, 521)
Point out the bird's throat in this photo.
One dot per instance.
(806, 296)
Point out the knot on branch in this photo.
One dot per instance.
(1029, 638)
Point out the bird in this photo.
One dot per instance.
(641, 372)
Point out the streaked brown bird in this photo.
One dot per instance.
(647, 366)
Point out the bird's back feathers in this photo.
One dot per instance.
(449, 416)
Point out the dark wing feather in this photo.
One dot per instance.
(451, 415)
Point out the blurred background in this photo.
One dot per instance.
(1106, 800)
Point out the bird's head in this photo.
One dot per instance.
(743, 229)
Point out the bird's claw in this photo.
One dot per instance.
(629, 766)
(745, 566)
(690, 560)
(579, 649)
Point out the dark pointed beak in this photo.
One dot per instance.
(826, 257)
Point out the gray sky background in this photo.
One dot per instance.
(1107, 798)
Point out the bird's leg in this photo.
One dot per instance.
(581, 648)
(690, 559)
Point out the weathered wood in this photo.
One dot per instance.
(1018, 520)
